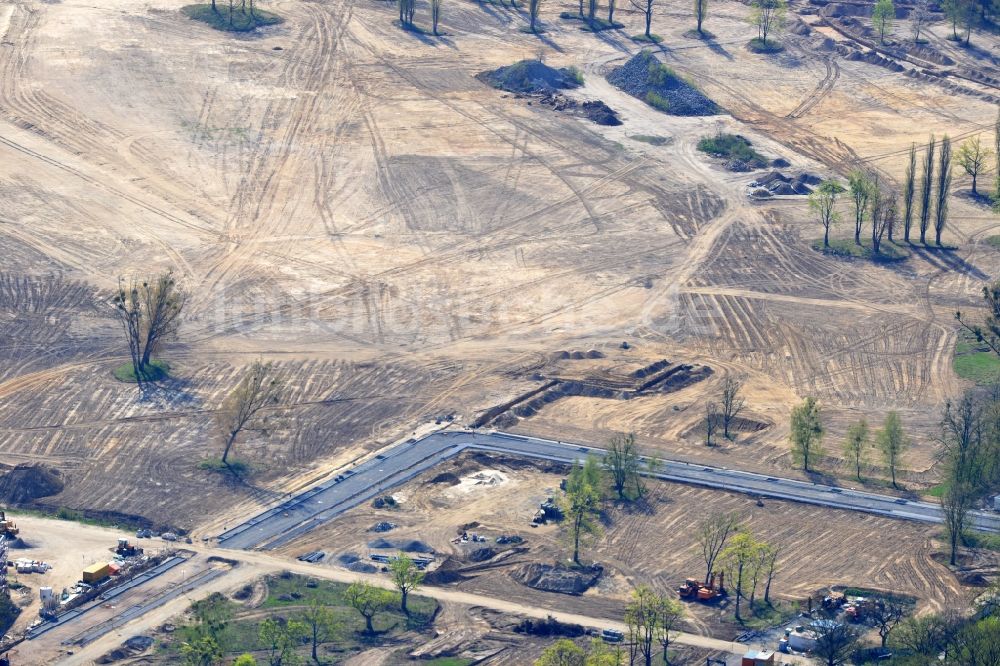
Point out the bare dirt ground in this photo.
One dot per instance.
(348, 200)
(653, 545)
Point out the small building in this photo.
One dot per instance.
(49, 600)
(758, 658)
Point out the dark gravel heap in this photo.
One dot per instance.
(641, 75)
(529, 77)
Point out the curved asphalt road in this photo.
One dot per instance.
(308, 510)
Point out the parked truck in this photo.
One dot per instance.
(96, 572)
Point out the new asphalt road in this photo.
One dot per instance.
(322, 503)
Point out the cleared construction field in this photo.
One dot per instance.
(348, 200)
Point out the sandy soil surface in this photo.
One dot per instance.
(654, 544)
(348, 200)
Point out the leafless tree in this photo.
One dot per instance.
(612, 5)
(712, 534)
(700, 12)
(591, 10)
(884, 212)
(732, 403)
(943, 186)
(771, 564)
(886, 614)
(835, 644)
(149, 312)
(435, 15)
(533, 8)
(646, 7)
(712, 420)
(622, 463)
(258, 389)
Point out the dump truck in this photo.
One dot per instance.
(96, 572)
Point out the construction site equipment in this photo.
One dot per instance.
(7, 527)
(23, 565)
(834, 601)
(49, 600)
(96, 572)
(689, 590)
(125, 549)
(612, 635)
(312, 557)
(710, 591)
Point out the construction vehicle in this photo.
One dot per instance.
(710, 592)
(7, 527)
(96, 572)
(689, 590)
(125, 549)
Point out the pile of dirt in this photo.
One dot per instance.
(551, 578)
(530, 77)
(28, 482)
(383, 526)
(595, 111)
(446, 477)
(549, 627)
(646, 78)
(482, 554)
(130, 648)
(578, 355)
(777, 183)
(362, 567)
(414, 546)
(347, 559)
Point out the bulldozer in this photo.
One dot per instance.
(125, 549)
(7, 527)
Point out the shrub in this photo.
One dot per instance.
(657, 102)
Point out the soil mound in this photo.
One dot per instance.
(531, 77)
(550, 578)
(446, 477)
(414, 546)
(648, 79)
(26, 483)
(482, 554)
(362, 567)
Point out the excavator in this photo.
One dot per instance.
(692, 589)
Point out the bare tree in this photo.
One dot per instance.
(646, 7)
(943, 185)
(771, 564)
(835, 644)
(732, 403)
(700, 13)
(712, 534)
(712, 420)
(259, 388)
(823, 200)
(926, 187)
(149, 312)
(886, 614)
(884, 213)
(908, 190)
(972, 157)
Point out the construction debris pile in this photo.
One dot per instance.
(778, 184)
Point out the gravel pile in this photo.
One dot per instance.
(530, 77)
(644, 74)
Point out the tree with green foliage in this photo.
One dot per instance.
(892, 442)
(926, 187)
(769, 17)
(930, 635)
(201, 651)
(322, 624)
(651, 619)
(280, 638)
(972, 157)
(909, 187)
(739, 560)
(806, 432)
(883, 14)
(563, 652)
(943, 187)
(978, 644)
(700, 13)
(406, 576)
(823, 200)
(211, 616)
(367, 600)
(623, 466)
(856, 445)
(860, 186)
(582, 503)
(988, 332)
(245, 659)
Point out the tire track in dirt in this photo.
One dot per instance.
(823, 89)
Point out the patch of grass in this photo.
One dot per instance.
(657, 102)
(157, 370)
(650, 139)
(732, 146)
(846, 247)
(288, 595)
(764, 616)
(237, 467)
(936, 491)
(653, 38)
(981, 540)
(574, 73)
(599, 25)
(62, 513)
(756, 45)
(240, 21)
(993, 241)
(694, 34)
(974, 361)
